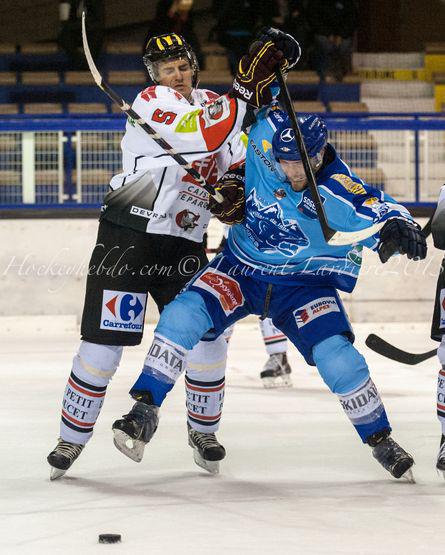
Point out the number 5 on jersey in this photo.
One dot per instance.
(159, 116)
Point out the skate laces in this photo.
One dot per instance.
(141, 413)
(390, 450)
(204, 440)
(275, 362)
(70, 450)
(441, 454)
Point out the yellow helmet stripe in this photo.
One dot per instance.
(160, 45)
(169, 40)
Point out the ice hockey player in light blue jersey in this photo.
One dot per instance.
(276, 263)
(281, 235)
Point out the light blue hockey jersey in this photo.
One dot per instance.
(281, 237)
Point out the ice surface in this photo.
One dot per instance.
(296, 479)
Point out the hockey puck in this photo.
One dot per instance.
(109, 538)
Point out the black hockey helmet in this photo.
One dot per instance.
(163, 47)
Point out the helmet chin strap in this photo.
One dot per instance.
(317, 161)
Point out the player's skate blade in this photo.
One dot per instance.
(56, 473)
(394, 459)
(276, 372)
(132, 448)
(409, 476)
(135, 430)
(210, 466)
(275, 382)
(207, 451)
(62, 457)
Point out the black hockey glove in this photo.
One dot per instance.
(284, 42)
(231, 186)
(403, 236)
(256, 71)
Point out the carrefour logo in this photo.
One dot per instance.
(122, 311)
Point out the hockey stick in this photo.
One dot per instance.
(126, 108)
(380, 346)
(332, 236)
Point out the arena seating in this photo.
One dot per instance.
(32, 73)
(43, 108)
(35, 73)
(348, 107)
(6, 48)
(78, 78)
(309, 106)
(133, 48)
(45, 78)
(36, 48)
(9, 109)
(87, 108)
(215, 58)
(7, 78)
(127, 77)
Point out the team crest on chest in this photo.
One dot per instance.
(270, 230)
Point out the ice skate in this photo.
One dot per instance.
(62, 457)
(440, 464)
(135, 430)
(394, 459)
(276, 372)
(207, 451)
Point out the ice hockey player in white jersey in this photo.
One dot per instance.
(150, 237)
(438, 324)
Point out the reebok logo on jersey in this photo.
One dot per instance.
(246, 94)
(314, 309)
(224, 288)
(122, 311)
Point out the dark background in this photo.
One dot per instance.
(385, 25)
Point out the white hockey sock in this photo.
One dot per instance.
(93, 367)
(441, 386)
(204, 384)
(274, 340)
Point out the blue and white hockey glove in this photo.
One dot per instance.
(403, 236)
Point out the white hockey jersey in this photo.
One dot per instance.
(153, 193)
